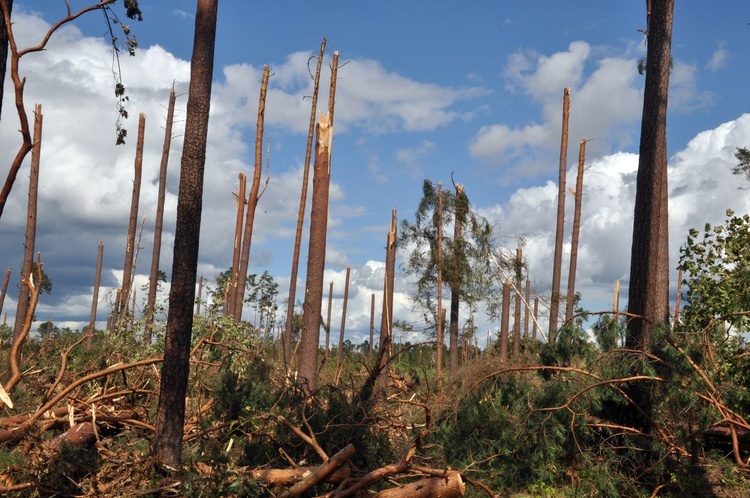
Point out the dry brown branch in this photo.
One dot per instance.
(63, 366)
(285, 477)
(320, 473)
(449, 486)
(308, 439)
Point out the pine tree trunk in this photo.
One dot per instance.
(386, 322)
(127, 271)
(372, 322)
(504, 322)
(328, 318)
(95, 298)
(307, 375)
(200, 296)
(4, 290)
(159, 222)
(238, 226)
(3, 55)
(517, 308)
(458, 241)
(557, 264)
(287, 340)
(648, 291)
(340, 355)
(526, 309)
(24, 294)
(574, 239)
(170, 415)
(536, 319)
(252, 201)
(439, 324)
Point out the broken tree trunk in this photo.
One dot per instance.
(127, 269)
(328, 318)
(153, 283)
(557, 264)
(517, 309)
(450, 486)
(24, 296)
(238, 224)
(287, 339)
(252, 200)
(574, 238)
(386, 321)
(340, 352)
(95, 298)
(6, 280)
(439, 324)
(504, 321)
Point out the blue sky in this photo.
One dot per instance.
(425, 89)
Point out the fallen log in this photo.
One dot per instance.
(287, 477)
(320, 473)
(450, 486)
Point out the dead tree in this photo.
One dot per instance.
(153, 284)
(557, 264)
(307, 374)
(386, 321)
(252, 201)
(458, 259)
(3, 56)
(440, 321)
(340, 355)
(578, 193)
(328, 318)
(504, 322)
(526, 308)
(238, 224)
(517, 308)
(127, 271)
(170, 416)
(287, 340)
(4, 289)
(95, 298)
(24, 294)
(372, 322)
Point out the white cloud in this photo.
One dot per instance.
(719, 59)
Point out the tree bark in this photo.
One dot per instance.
(252, 200)
(238, 225)
(340, 355)
(287, 340)
(574, 238)
(159, 222)
(557, 264)
(127, 271)
(461, 211)
(4, 51)
(307, 375)
(517, 308)
(526, 309)
(328, 317)
(450, 486)
(386, 320)
(95, 298)
(24, 294)
(504, 322)
(170, 416)
(439, 324)
(648, 291)
(372, 321)
(4, 289)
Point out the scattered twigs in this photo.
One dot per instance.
(310, 440)
(63, 366)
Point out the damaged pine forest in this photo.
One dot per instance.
(193, 395)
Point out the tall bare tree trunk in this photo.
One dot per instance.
(287, 341)
(307, 374)
(238, 226)
(200, 296)
(557, 264)
(536, 319)
(95, 298)
(517, 308)
(576, 230)
(386, 320)
(127, 271)
(526, 309)
(648, 291)
(170, 415)
(24, 293)
(505, 322)
(439, 325)
(252, 200)
(159, 222)
(372, 321)
(340, 355)
(459, 218)
(328, 318)
(3, 52)
(4, 290)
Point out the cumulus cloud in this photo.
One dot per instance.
(719, 59)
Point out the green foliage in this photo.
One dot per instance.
(717, 275)
(743, 168)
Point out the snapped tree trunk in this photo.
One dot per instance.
(252, 200)
(517, 307)
(95, 298)
(459, 258)
(340, 356)
(372, 321)
(238, 225)
(24, 294)
(328, 317)
(4, 54)
(170, 415)
(127, 269)
(439, 321)
(386, 320)
(307, 374)
(4, 290)
(648, 291)
(153, 283)
(287, 339)
(504, 322)
(557, 264)
(570, 301)
(526, 308)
